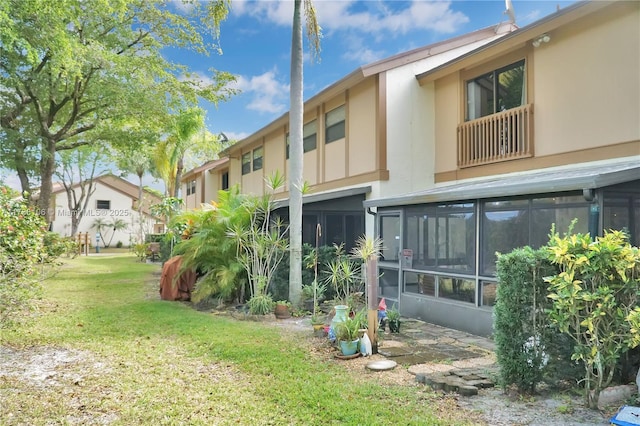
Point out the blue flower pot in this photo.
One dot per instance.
(349, 348)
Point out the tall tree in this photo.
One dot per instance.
(76, 67)
(138, 162)
(170, 152)
(77, 170)
(296, 111)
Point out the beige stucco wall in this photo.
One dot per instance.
(447, 117)
(361, 128)
(587, 83)
(253, 182)
(212, 184)
(584, 85)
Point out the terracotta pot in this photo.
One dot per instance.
(282, 312)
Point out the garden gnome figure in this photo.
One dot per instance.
(382, 313)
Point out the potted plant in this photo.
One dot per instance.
(312, 294)
(347, 334)
(282, 309)
(318, 325)
(393, 319)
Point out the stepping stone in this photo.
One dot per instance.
(382, 365)
(394, 351)
(466, 390)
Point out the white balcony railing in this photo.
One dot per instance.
(498, 137)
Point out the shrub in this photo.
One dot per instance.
(260, 304)
(56, 246)
(140, 250)
(595, 298)
(520, 321)
(22, 258)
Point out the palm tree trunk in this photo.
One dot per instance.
(296, 159)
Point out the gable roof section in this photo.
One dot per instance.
(554, 179)
(516, 39)
(122, 186)
(206, 167)
(360, 74)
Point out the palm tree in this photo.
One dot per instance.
(295, 154)
(169, 155)
(139, 163)
(102, 227)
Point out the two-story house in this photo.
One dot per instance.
(464, 148)
(367, 127)
(201, 184)
(536, 128)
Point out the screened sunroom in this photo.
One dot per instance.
(438, 262)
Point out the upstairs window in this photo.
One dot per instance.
(103, 204)
(287, 142)
(257, 159)
(191, 187)
(496, 91)
(225, 181)
(309, 133)
(246, 163)
(334, 124)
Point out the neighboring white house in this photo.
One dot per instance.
(113, 198)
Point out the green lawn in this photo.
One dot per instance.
(134, 359)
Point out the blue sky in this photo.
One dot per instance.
(256, 39)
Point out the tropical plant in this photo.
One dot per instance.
(296, 112)
(262, 244)
(393, 314)
(209, 250)
(169, 154)
(261, 304)
(343, 275)
(595, 301)
(167, 208)
(107, 229)
(349, 329)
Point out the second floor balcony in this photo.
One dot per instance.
(503, 136)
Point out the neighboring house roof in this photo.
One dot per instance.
(120, 185)
(583, 176)
(378, 67)
(517, 38)
(206, 167)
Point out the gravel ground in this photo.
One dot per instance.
(491, 406)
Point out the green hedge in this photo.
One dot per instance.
(528, 349)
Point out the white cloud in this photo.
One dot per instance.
(236, 136)
(267, 94)
(376, 18)
(197, 77)
(357, 51)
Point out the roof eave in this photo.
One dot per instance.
(516, 39)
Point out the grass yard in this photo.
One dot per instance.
(105, 350)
